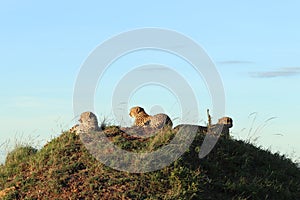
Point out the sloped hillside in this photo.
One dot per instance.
(63, 169)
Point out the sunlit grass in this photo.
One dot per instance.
(64, 169)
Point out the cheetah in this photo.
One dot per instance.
(88, 122)
(143, 119)
(74, 129)
(226, 121)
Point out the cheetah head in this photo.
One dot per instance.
(87, 116)
(88, 120)
(226, 121)
(135, 111)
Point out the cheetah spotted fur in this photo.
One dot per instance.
(88, 122)
(143, 119)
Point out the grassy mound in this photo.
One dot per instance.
(63, 169)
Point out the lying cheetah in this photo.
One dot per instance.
(143, 119)
(88, 122)
(225, 123)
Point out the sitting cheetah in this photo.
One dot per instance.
(143, 119)
(88, 122)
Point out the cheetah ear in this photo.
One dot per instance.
(86, 114)
(138, 109)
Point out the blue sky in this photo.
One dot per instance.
(255, 46)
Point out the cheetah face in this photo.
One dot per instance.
(88, 119)
(135, 111)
